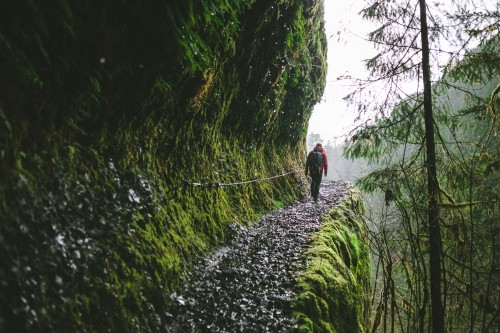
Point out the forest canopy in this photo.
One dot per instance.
(435, 154)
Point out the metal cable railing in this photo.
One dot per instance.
(217, 185)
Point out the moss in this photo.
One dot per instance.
(102, 139)
(334, 286)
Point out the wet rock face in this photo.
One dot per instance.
(247, 285)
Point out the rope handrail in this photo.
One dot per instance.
(216, 185)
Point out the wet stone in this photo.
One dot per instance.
(247, 284)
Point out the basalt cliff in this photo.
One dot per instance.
(132, 136)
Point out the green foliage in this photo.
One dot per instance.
(467, 152)
(415, 249)
(334, 287)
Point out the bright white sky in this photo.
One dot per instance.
(330, 117)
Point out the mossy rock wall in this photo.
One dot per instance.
(334, 286)
(108, 112)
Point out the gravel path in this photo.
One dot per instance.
(246, 285)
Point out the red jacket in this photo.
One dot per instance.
(324, 165)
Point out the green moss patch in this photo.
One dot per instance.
(334, 286)
(111, 113)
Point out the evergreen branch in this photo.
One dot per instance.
(466, 204)
(464, 265)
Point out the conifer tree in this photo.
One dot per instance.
(447, 51)
(432, 183)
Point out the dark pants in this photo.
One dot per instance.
(315, 182)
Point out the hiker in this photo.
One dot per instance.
(316, 165)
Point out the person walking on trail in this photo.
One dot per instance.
(316, 165)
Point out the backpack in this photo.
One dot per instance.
(316, 161)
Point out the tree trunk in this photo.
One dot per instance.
(437, 311)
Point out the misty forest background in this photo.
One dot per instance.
(394, 201)
(388, 158)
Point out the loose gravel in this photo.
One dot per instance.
(247, 285)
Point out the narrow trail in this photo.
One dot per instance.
(246, 285)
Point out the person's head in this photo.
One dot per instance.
(319, 145)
